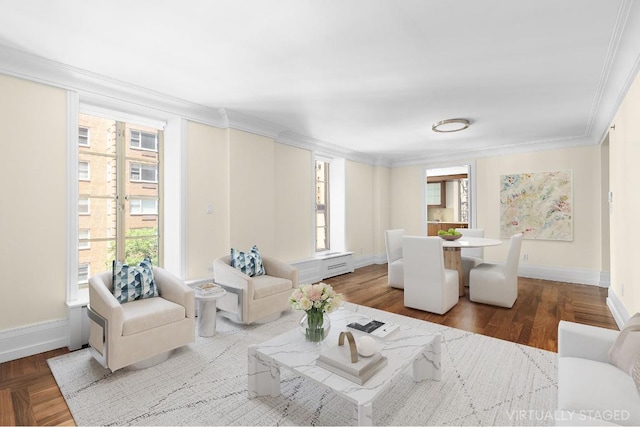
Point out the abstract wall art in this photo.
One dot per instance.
(539, 205)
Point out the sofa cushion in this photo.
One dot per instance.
(133, 282)
(264, 286)
(626, 349)
(250, 263)
(145, 314)
(590, 387)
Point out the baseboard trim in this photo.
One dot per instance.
(29, 340)
(570, 275)
(617, 309)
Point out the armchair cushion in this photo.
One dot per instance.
(133, 282)
(250, 263)
(626, 349)
(150, 313)
(264, 286)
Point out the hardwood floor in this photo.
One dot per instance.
(29, 394)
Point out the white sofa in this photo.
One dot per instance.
(592, 391)
(395, 262)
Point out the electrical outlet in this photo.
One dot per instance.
(622, 289)
(211, 269)
(525, 257)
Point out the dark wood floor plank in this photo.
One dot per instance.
(29, 391)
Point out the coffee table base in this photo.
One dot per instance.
(264, 376)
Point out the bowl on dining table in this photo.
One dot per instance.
(450, 236)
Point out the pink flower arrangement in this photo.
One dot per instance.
(319, 298)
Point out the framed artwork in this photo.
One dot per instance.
(538, 205)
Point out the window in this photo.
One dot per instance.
(322, 205)
(84, 234)
(84, 172)
(143, 207)
(83, 206)
(143, 173)
(143, 140)
(436, 192)
(123, 221)
(84, 272)
(83, 136)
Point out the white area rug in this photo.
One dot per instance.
(485, 381)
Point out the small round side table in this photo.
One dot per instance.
(207, 312)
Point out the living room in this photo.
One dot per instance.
(258, 180)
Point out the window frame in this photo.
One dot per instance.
(327, 206)
(88, 171)
(139, 139)
(141, 167)
(88, 137)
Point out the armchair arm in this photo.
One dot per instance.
(105, 304)
(175, 290)
(586, 342)
(274, 267)
(224, 274)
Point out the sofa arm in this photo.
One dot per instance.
(102, 301)
(586, 342)
(175, 290)
(276, 268)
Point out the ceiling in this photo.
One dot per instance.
(369, 76)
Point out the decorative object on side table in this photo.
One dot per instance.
(206, 289)
(316, 301)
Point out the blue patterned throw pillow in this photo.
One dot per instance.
(132, 282)
(250, 263)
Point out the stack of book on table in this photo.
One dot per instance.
(337, 359)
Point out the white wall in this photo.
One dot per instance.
(33, 206)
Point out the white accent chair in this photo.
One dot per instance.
(252, 299)
(140, 332)
(395, 269)
(589, 387)
(471, 257)
(497, 284)
(428, 286)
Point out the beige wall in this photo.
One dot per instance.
(207, 184)
(294, 203)
(359, 209)
(261, 193)
(584, 252)
(381, 207)
(624, 153)
(33, 183)
(406, 199)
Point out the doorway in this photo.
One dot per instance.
(448, 198)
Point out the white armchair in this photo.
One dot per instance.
(497, 284)
(395, 269)
(590, 389)
(134, 332)
(255, 298)
(428, 285)
(471, 257)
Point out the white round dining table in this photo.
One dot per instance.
(453, 254)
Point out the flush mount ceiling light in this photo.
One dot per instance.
(450, 125)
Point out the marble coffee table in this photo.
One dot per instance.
(406, 346)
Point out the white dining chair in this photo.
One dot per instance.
(428, 286)
(497, 284)
(395, 269)
(471, 257)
